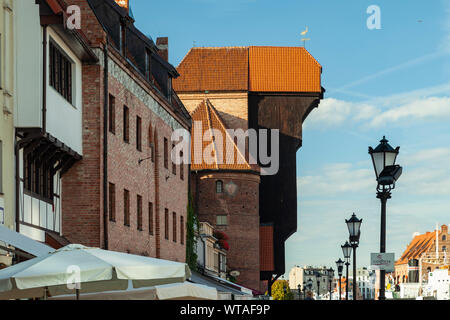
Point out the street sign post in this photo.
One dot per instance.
(382, 261)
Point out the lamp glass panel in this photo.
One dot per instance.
(378, 160)
(390, 158)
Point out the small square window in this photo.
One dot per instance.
(222, 220)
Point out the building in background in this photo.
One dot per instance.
(426, 252)
(126, 194)
(365, 278)
(212, 251)
(319, 277)
(48, 113)
(252, 88)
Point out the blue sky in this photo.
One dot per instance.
(394, 81)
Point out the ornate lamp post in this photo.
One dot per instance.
(354, 225)
(318, 275)
(310, 284)
(347, 251)
(340, 266)
(387, 173)
(331, 275)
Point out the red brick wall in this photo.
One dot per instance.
(242, 210)
(82, 186)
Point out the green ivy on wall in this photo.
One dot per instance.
(192, 224)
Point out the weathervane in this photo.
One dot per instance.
(305, 39)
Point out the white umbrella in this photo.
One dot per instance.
(95, 270)
(174, 291)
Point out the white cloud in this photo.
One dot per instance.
(332, 112)
(429, 108)
(335, 179)
(396, 110)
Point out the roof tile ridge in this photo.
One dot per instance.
(228, 136)
(207, 103)
(184, 58)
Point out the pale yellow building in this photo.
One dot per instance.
(7, 79)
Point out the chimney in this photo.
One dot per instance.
(162, 44)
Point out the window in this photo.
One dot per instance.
(60, 72)
(1, 166)
(444, 238)
(126, 124)
(219, 186)
(38, 178)
(112, 114)
(112, 202)
(174, 226)
(174, 166)
(181, 167)
(222, 220)
(126, 207)
(444, 249)
(166, 153)
(182, 230)
(139, 212)
(166, 224)
(150, 218)
(123, 39)
(148, 64)
(138, 133)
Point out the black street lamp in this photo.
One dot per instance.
(387, 173)
(354, 225)
(347, 251)
(304, 290)
(299, 290)
(331, 275)
(310, 284)
(318, 275)
(340, 266)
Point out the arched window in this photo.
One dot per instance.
(444, 238)
(219, 186)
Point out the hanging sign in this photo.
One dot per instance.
(382, 261)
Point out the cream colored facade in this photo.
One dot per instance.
(232, 107)
(7, 92)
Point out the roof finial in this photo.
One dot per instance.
(303, 33)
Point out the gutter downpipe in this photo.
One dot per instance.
(105, 145)
(44, 81)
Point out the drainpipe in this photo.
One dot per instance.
(105, 146)
(17, 154)
(44, 82)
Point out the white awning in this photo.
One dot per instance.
(24, 243)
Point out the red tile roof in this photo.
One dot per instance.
(417, 247)
(221, 159)
(257, 69)
(213, 69)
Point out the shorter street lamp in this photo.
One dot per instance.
(318, 275)
(354, 225)
(331, 275)
(340, 266)
(304, 290)
(310, 284)
(347, 251)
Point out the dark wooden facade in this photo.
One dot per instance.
(278, 193)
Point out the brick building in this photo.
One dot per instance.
(252, 88)
(226, 195)
(425, 253)
(125, 194)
